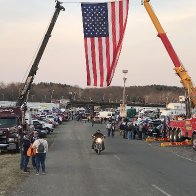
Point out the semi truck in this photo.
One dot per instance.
(12, 117)
(177, 130)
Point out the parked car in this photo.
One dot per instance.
(154, 128)
(38, 127)
(46, 125)
(53, 119)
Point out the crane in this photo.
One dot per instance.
(178, 66)
(23, 95)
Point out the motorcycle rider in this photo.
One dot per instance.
(96, 135)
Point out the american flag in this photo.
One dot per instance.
(104, 27)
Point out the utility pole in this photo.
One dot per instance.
(124, 79)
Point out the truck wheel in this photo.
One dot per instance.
(177, 135)
(176, 139)
(171, 135)
(194, 142)
(180, 136)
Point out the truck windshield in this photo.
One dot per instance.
(8, 122)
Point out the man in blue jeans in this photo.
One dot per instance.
(24, 158)
(33, 138)
(41, 146)
(130, 129)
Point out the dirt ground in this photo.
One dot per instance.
(10, 173)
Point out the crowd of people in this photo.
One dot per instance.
(32, 146)
(130, 129)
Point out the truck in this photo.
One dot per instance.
(131, 112)
(12, 117)
(106, 115)
(177, 130)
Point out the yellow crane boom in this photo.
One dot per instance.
(179, 68)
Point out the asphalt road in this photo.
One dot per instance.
(124, 168)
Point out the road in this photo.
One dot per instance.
(126, 167)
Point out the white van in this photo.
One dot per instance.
(106, 114)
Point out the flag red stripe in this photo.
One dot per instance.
(113, 19)
(117, 52)
(107, 55)
(87, 64)
(121, 17)
(93, 54)
(101, 60)
(127, 9)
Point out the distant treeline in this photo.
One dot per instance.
(45, 92)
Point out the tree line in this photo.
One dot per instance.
(45, 92)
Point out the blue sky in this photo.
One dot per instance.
(24, 22)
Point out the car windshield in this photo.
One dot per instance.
(8, 122)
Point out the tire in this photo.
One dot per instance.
(180, 136)
(171, 135)
(176, 136)
(194, 142)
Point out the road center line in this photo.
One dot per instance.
(185, 158)
(117, 157)
(161, 190)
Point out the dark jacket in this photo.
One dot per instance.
(98, 135)
(25, 146)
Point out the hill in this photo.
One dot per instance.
(45, 92)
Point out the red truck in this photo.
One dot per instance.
(10, 119)
(178, 130)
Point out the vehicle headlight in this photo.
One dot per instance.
(11, 139)
(99, 140)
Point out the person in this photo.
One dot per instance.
(25, 146)
(140, 131)
(96, 135)
(33, 156)
(109, 128)
(113, 128)
(92, 120)
(130, 131)
(125, 129)
(21, 134)
(144, 131)
(41, 146)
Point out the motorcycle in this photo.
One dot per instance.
(98, 144)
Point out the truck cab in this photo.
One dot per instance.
(10, 118)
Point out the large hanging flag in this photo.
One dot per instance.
(104, 27)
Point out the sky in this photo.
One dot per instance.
(23, 24)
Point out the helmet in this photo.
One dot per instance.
(98, 131)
